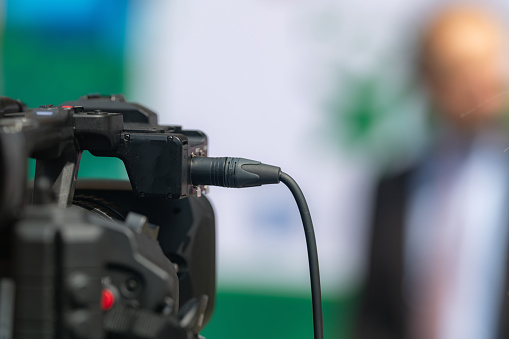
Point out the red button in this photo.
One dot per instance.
(107, 299)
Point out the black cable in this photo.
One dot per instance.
(314, 271)
(239, 172)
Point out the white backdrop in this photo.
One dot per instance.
(254, 75)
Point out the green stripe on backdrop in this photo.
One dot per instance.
(249, 315)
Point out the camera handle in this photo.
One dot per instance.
(59, 174)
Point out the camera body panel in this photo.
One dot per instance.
(63, 243)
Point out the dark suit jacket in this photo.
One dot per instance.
(383, 312)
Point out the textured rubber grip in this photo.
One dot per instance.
(232, 172)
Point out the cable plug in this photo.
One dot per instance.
(232, 172)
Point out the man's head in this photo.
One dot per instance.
(464, 64)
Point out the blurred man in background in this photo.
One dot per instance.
(439, 249)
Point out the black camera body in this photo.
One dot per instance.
(95, 259)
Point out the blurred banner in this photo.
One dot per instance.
(242, 73)
(324, 89)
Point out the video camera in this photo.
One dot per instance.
(107, 258)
